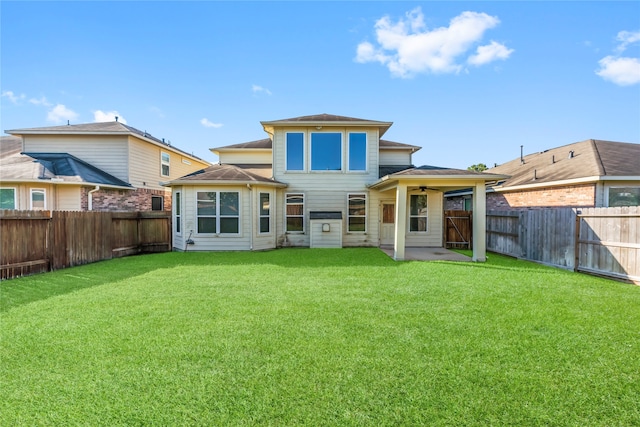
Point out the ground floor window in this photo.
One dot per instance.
(7, 198)
(38, 201)
(294, 213)
(218, 212)
(265, 216)
(418, 212)
(357, 213)
(624, 196)
(157, 203)
(177, 209)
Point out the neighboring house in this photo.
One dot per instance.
(95, 166)
(590, 173)
(319, 181)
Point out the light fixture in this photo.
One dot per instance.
(423, 189)
(318, 127)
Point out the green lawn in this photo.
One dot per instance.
(318, 337)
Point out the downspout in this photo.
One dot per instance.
(251, 219)
(90, 197)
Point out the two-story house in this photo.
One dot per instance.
(95, 166)
(319, 181)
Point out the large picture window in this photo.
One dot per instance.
(357, 151)
(418, 213)
(295, 151)
(7, 198)
(326, 151)
(265, 213)
(218, 212)
(357, 213)
(38, 200)
(294, 213)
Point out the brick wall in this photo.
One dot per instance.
(582, 196)
(569, 196)
(123, 200)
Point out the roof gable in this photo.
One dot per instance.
(325, 120)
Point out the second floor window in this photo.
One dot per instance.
(295, 151)
(326, 151)
(357, 151)
(164, 163)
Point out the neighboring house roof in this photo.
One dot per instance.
(586, 161)
(325, 120)
(59, 168)
(102, 128)
(225, 174)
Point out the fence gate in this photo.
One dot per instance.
(457, 229)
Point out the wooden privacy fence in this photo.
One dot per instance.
(603, 241)
(39, 241)
(457, 229)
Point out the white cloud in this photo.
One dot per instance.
(407, 47)
(621, 71)
(258, 89)
(489, 53)
(626, 38)
(42, 101)
(209, 124)
(108, 116)
(60, 113)
(15, 99)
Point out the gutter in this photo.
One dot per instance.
(90, 197)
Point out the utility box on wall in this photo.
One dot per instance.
(326, 229)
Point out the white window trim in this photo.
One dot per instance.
(218, 216)
(44, 193)
(268, 216)
(609, 187)
(366, 154)
(304, 202)
(409, 216)
(366, 212)
(304, 153)
(162, 163)
(15, 196)
(177, 209)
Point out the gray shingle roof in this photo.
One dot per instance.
(324, 118)
(228, 174)
(428, 170)
(591, 158)
(267, 144)
(327, 120)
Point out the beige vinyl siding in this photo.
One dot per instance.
(251, 157)
(395, 157)
(145, 164)
(263, 241)
(326, 239)
(67, 198)
(212, 242)
(108, 152)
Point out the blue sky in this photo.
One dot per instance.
(468, 81)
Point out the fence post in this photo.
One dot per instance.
(576, 260)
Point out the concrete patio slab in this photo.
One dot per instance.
(427, 254)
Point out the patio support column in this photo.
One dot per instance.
(401, 222)
(479, 223)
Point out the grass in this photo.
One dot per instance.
(318, 337)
